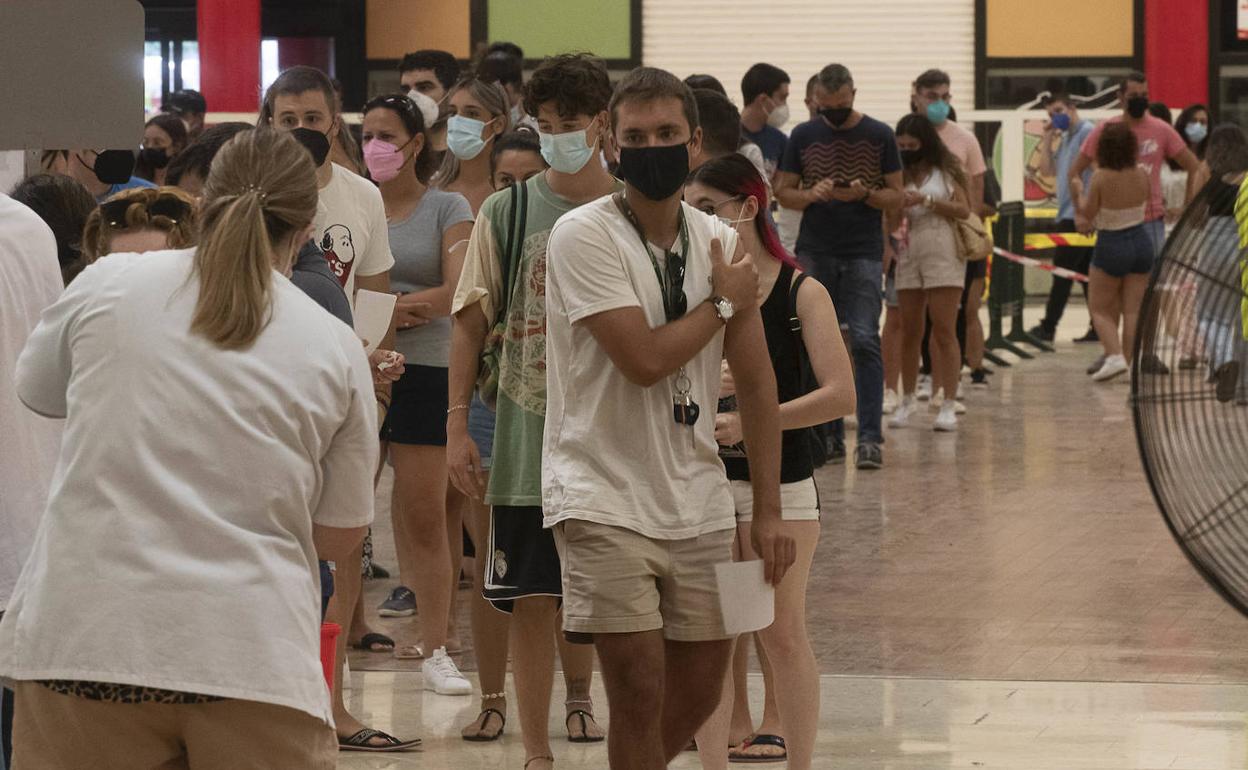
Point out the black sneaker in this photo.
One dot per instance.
(1089, 337)
(1227, 378)
(979, 378)
(868, 457)
(835, 454)
(1151, 364)
(1039, 332)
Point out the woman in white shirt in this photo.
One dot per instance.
(930, 270)
(220, 431)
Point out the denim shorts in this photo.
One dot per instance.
(1123, 252)
(481, 430)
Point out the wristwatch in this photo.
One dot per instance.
(723, 308)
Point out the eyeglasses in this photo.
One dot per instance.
(168, 207)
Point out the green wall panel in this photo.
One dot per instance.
(547, 27)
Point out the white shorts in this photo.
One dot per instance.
(799, 500)
(931, 261)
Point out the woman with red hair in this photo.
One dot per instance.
(802, 335)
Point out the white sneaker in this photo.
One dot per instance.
(442, 675)
(1113, 366)
(960, 396)
(891, 400)
(923, 391)
(901, 415)
(947, 420)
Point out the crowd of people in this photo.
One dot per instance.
(629, 321)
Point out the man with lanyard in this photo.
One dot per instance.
(1071, 132)
(642, 306)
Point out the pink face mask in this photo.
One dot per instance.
(383, 160)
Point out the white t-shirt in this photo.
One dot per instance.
(613, 453)
(176, 551)
(351, 228)
(30, 280)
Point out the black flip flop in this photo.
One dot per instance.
(360, 742)
(368, 640)
(760, 740)
(487, 738)
(584, 716)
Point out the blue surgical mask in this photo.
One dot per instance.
(1196, 132)
(938, 112)
(1061, 121)
(566, 153)
(463, 136)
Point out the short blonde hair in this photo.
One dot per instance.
(146, 208)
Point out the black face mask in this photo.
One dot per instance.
(656, 172)
(910, 157)
(836, 115)
(1137, 106)
(154, 157)
(112, 166)
(315, 142)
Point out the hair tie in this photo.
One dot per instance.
(256, 189)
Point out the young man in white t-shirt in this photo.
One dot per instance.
(350, 216)
(642, 306)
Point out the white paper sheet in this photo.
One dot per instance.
(747, 601)
(373, 312)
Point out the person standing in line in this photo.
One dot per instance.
(194, 637)
(789, 221)
(930, 271)
(103, 172)
(842, 170)
(64, 205)
(424, 224)
(430, 72)
(164, 136)
(765, 94)
(731, 189)
(507, 70)
(516, 157)
(642, 305)
(189, 105)
(1156, 142)
(933, 99)
(1117, 200)
(568, 95)
(30, 281)
(1068, 131)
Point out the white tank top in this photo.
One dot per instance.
(1120, 219)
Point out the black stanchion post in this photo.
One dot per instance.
(1005, 296)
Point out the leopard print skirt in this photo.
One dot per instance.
(110, 692)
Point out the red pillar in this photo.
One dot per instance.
(229, 54)
(1176, 51)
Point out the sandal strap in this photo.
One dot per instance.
(531, 760)
(363, 737)
(486, 712)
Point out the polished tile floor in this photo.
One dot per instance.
(1006, 596)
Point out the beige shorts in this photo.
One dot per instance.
(799, 501)
(617, 581)
(931, 261)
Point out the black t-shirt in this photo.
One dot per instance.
(816, 151)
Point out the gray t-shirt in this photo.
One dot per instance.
(417, 246)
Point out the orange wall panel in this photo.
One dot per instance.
(396, 27)
(1060, 28)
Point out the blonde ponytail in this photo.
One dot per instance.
(260, 191)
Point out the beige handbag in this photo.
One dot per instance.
(974, 243)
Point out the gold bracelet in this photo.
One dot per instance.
(456, 408)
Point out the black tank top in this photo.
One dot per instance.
(785, 346)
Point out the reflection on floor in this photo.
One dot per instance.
(1024, 548)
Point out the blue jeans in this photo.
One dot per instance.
(855, 288)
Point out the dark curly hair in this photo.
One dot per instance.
(578, 84)
(64, 204)
(1117, 148)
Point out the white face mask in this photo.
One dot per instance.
(779, 117)
(728, 221)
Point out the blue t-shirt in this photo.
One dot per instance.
(1063, 158)
(816, 151)
(130, 185)
(771, 141)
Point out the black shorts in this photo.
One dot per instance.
(417, 413)
(522, 560)
(975, 270)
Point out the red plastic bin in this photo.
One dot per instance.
(329, 650)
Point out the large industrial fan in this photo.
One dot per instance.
(1192, 424)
